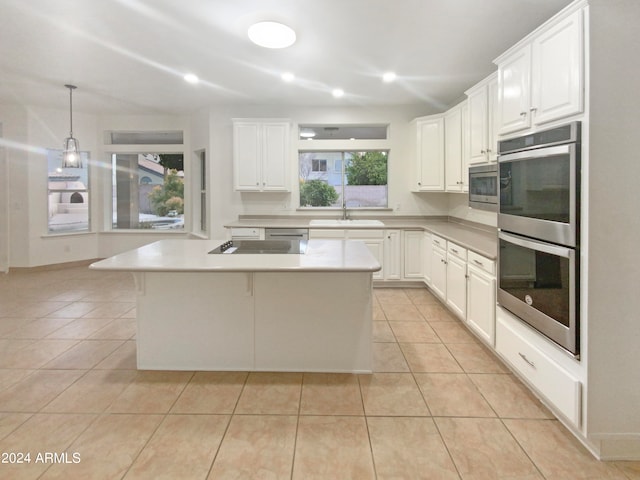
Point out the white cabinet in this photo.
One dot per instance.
(247, 233)
(427, 257)
(428, 154)
(261, 155)
(457, 279)
(481, 297)
(412, 258)
(392, 255)
(374, 240)
(542, 79)
(456, 166)
(439, 267)
(482, 121)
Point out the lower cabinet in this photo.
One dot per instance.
(412, 258)
(438, 269)
(375, 240)
(457, 285)
(427, 257)
(392, 255)
(481, 297)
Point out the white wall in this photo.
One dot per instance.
(614, 223)
(4, 207)
(459, 208)
(227, 204)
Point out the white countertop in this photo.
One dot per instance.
(193, 256)
(483, 241)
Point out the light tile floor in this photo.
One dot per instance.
(439, 405)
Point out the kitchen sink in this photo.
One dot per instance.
(326, 222)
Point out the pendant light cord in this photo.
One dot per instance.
(71, 88)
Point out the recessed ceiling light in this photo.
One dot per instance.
(191, 78)
(389, 77)
(271, 35)
(337, 92)
(288, 77)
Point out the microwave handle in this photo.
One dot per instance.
(538, 153)
(537, 245)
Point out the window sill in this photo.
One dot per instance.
(340, 209)
(149, 231)
(67, 234)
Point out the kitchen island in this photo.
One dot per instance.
(308, 312)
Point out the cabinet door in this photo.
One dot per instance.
(376, 248)
(457, 286)
(481, 303)
(514, 91)
(478, 126)
(427, 257)
(413, 267)
(493, 120)
(557, 66)
(430, 155)
(453, 149)
(392, 255)
(246, 156)
(275, 158)
(439, 272)
(466, 140)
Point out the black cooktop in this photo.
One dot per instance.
(262, 246)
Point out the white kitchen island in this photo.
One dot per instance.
(308, 312)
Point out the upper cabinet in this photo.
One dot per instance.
(482, 100)
(542, 78)
(261, 150)
(429, 154)
(456, 166)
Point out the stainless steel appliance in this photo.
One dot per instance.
(540, 184)
(483, 187)
(539, 234)
(261, 247)
(286, 234)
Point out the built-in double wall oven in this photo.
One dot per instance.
(539, 231)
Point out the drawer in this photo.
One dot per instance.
(246, 232)
(481, 262)
(364, 234)
(326, 233)
(438, 242)
(552, 381)
(457, 251)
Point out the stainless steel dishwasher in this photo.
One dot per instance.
(286, 234)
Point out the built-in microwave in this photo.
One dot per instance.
(483, 187)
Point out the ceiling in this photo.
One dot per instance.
(129, 56)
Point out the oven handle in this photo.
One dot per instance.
(537, 245)
(537, 153)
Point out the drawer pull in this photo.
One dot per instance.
(478, 262)
(524, 357)
(454, 250)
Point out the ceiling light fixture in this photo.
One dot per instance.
(288, 77)
(309, 134)
(191, 78)
(71, 153)
(337, 92)
(271, 35)
(389, 77)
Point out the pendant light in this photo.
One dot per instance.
(71, 153)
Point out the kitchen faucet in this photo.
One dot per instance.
(345, 215)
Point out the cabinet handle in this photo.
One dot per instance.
(479, 263)
(454, 250)
(524, 357)
(483, 151)
(419, 183)
(523, 114)
(489, 150)
(533, 109)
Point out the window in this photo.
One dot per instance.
(148, 191)
(318, 165)
(68, 194)
(352, 179)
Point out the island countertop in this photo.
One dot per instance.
(193, 256)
